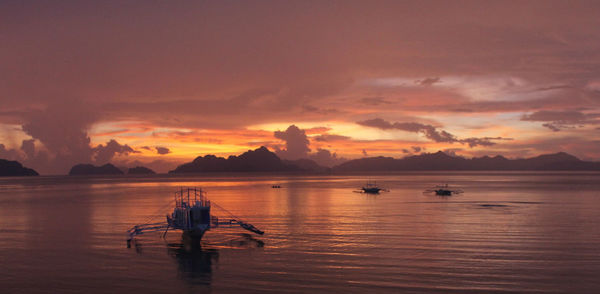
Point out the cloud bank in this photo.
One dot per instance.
(429, 132)
(199, 77)
(297, 147)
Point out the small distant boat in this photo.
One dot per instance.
(276, 186)
(443, 190)
(372, 188)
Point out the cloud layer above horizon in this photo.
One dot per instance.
(158, 83)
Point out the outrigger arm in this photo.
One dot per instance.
(191, 215)
(145, 228)
(165, 233)
(155, 227)
(244, 225)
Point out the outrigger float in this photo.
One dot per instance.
(192, 216)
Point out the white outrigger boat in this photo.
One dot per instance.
(191, 215)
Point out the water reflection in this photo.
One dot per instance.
(245, 241)
(509, 233)
(195, 264)
(196, 259)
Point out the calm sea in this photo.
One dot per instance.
(508, 232)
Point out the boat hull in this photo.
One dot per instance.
(442, 192)
(371, 190)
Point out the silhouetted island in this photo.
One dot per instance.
(140, 170)
(259, 160)
(89, 169)
(10, 168)
(443, 161)
(263, 160)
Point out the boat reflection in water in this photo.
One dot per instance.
(195, 264)
(192, 215)
(245, 241)
(195, 261)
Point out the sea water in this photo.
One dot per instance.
(508, 232)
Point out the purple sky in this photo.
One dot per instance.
(160, 82)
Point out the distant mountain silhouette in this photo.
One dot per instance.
(89, 169)
(259, 160)
(443, 161)
(15, 169)
(140, 170)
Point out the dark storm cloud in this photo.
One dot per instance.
(297, 146)
(215, 65)
(412, 150)
(296, 143)
(60, 139)
(105, 153)
(428, 81)
(48, 162)
(485, 141)
(62, 131)
(564, 117)
(28, 147)
(171, 52)
(9, 154)
(330, 138)
(162, 150)
(429, 132)
(559, 120)
(551, 127)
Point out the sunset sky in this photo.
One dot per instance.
(158, 83)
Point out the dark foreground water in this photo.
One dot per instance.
(509, 232)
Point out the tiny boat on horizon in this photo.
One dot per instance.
(372, 188)
(443, 190)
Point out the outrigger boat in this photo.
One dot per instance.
(372, 188)
(191, 215)
(443, 190)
